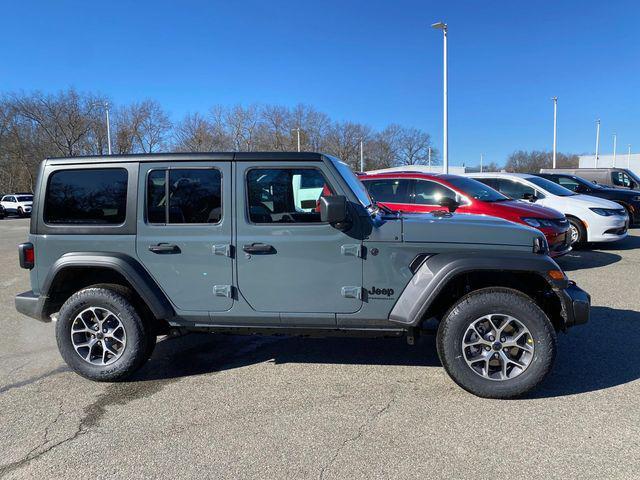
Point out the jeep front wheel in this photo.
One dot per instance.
(496, 343)
(101, 335)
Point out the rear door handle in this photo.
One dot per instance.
(259, 248)
(164, 249)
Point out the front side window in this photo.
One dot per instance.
(569, 183)
(96, 196)
(285, 195)
(431, 193)
(391, 190)
(621, 179)
(184, 196)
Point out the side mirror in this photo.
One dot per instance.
(333, 209)
(530, 196)
(449, 203)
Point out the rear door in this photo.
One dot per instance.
(288, 260)
(184, 232)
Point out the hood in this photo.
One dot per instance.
(466, 228)
(619, 191)
(589, 201)
(527, 209)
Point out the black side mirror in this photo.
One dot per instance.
(449, 203)
(530, 196)
(333, 209)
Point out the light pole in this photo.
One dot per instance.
(629, 156)
(615, 138)
(445, 125)
(362, 155)
(298, 131)
(555, 129)
(429, 157)
(105, 105)
(597, 140)
(481, 159)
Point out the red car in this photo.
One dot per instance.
(421, 192)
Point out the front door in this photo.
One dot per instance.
(288, 260)
(184, 232)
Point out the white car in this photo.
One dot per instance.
(19, 204)
(592, 219)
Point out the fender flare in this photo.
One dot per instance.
(141, 281)
(435, 273)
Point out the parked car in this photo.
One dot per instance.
(629, 199)
(612, 177)
(413, 192)
(19, 204)
(592, 219)
(224, 243)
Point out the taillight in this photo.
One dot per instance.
(26, 255)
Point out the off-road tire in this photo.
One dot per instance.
(138, 344)
(496, 301)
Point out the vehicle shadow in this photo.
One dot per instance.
(629, 243)
(197, 354)
(587, 359)
(582, 259)
(602, 354)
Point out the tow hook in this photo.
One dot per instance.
(412, 335)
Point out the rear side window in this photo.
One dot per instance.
(389, 190)
(184, 196)
(96, 196)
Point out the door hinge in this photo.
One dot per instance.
(223, 291)
(354, 250)
(223, 249)
(352, 292)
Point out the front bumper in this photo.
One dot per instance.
(576, 305)
(31, 305)
(609, 229)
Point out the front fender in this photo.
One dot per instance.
(436, 272)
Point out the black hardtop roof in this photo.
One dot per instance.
(191, 157)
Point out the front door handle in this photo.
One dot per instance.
(259, 248)
(164, 249)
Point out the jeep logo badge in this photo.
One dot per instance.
(386, 292)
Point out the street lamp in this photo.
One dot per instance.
(597, 140)
(482, 158)
(298, 131)
(105, 105)
(629, 156)
(445, 127)
(615, 138)
(362, 155)
(555, 129)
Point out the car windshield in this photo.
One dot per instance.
(25, 198)
(478, 190)
(634, 176)
(353, 181)
(552, 188)
(587, 183)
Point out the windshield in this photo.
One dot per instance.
(475, 189)
(633, 175)
(353, 181)
(25, 198)
(552, 188)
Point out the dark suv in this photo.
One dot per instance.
(125, 248)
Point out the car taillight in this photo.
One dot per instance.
(26, 255)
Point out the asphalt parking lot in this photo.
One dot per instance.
(210, 406)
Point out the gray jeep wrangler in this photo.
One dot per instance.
(125, 248)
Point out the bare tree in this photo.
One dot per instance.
(532, 161)
(197, 134)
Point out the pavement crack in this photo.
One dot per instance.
(359, 432)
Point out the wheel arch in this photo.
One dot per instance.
(74, 271)
(440, 282)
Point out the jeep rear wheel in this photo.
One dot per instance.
(101, 336)
(496, 343)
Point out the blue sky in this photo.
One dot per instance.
(375, 62)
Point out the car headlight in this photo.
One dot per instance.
(540, 245)
(538, 222)
(607, 212)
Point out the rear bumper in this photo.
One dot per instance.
(31, 305)
(576, 305)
